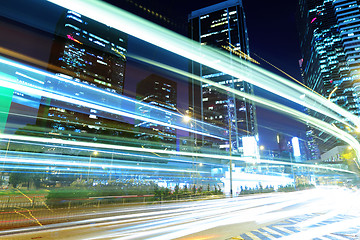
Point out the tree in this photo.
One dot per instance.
(17, 178)
(176, 189)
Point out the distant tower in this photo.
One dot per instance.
(91, 53)
(158, 92)
(222, 26)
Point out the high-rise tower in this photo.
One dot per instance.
(222, 26)
(329, 40)
(90, 53)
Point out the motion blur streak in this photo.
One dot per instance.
(333, 130)
(231, 210)
(7, 81)
(176, 220)
(161, 37)
(159, 151)
(77, 164)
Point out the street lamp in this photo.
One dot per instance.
(186, 118)
(95, 153)
(230, 145)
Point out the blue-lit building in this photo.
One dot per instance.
(222, 26)
(90, 53)
(328, 31)
(158, 92)
(348, 18)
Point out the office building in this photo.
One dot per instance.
(158, 92)
(222, 26)
(328, 37)
(348, 19)
(89, 53)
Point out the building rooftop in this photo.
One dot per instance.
(213, 8)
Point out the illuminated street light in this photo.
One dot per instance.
(186, 118)
(262, 147)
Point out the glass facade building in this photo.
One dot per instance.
(222, 26)
(159, 92)
(348, 18)
(91, 54)
(327, 30)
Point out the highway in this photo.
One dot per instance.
(305, 214)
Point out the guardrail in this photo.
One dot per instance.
(23, 212)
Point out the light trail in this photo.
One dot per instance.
(45, 162)
(175, 43)
(115, 154)
(8, 82)
(178, 220)
(342, 135)
(329, 128)
(159, 151)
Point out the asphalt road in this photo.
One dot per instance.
(326, 213)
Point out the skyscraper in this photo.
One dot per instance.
(222, 26)
(348, 18)
(90, 53)
(329, 38)
(159, 92)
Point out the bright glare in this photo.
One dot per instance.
(186, 118)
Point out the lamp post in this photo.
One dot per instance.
(230, 149)
(95, 153)
(187, 119)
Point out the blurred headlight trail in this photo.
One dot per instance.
(159, 151)
(175, 43)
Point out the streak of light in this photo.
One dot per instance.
(182, 160)
(161, 37)
(331, 129)
(219, 218)
(159, 151)
(8, 83)
(288, 75)
(212, 59)
(202, 237)
(332, 92)
(79, 164)
(180, 220)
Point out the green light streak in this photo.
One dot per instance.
(6, 95)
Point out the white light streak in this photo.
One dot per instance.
(159, 151)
